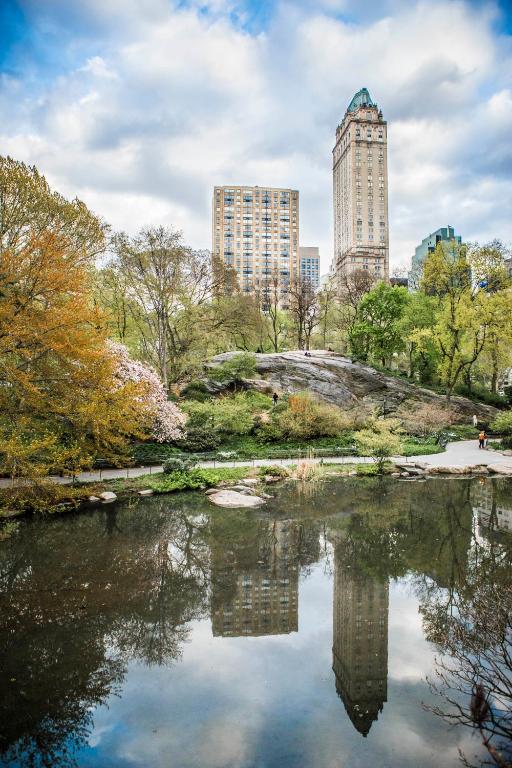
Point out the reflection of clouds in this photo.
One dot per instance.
(269, 701)
(409, 652)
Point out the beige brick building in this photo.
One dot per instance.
(360, 186)
(255, 230)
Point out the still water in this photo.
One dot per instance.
(165, 632)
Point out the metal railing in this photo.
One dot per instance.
(224, 458)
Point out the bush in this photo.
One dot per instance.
(152, 453)
(502, 424)
(306, 418)
(196, 390)
(380, 441)
(199, 440)
(270, 432)
(424, 419)
(232, 415)
(178, 465)
(276, 470)
(480, 394)
(238, 367)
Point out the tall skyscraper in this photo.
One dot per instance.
(310, 265)
(360, 641)
(360, 185)
(428, 245)
(255, 230)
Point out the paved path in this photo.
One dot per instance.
(464, 453)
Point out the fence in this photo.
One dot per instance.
(219, 458)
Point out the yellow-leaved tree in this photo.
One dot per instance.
(61, 403)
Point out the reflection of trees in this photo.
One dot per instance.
(470, 621)
(75, 609)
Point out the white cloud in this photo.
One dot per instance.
(177, 100)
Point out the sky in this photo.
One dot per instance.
(141, 107)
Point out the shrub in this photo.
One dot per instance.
(306, 418)
(380, 441)
(276, 470)
(232, 415)
(424, 419)
(502, 424)
(196, 390)
(152, 453)
(198, 440)
(480, 394)
(238, 367)
(270, 432)
(175, 464)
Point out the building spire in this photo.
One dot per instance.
(361, 99)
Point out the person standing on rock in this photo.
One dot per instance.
(275, 398)
(475, 420)
(481, 439)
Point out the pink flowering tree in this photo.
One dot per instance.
(167, 419)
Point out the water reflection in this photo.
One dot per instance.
(360, 641)
(85, 598)
(257, 594)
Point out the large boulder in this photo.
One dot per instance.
(336, 379)
(234, 499)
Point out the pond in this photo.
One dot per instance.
(166, 632)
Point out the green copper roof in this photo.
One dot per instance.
(361, 99)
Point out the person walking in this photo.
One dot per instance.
(481, 439)
(475, 420)
(275, 398)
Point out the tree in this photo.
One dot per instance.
(377, 331)
(57, 383)
(169, 286)
(304, 310)
(419, 318)
(328, 310)
(30, 211)
(166, 421)
(460, 277)
(270, 299)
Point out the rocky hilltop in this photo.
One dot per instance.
(336, 379)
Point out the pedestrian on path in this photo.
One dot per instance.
(475, 420)
(481, 439)
(275, 398)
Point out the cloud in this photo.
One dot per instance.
(158, 102)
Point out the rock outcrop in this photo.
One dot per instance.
(336, 379)
(234, 499)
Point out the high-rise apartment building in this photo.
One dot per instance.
(255, 230)
(360, 185)
(309, 257)
(428, 245)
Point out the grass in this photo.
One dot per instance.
(416, 446)
(175, 481)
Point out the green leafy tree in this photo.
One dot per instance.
(462, 279)
(377, 332)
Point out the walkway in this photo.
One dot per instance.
(464, 453)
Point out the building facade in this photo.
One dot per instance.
(255, 230)
(428, 245)
(360, 189)
(309, 258)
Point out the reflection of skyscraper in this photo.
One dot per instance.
(488, 506)
(360, 642)
(259, 596)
